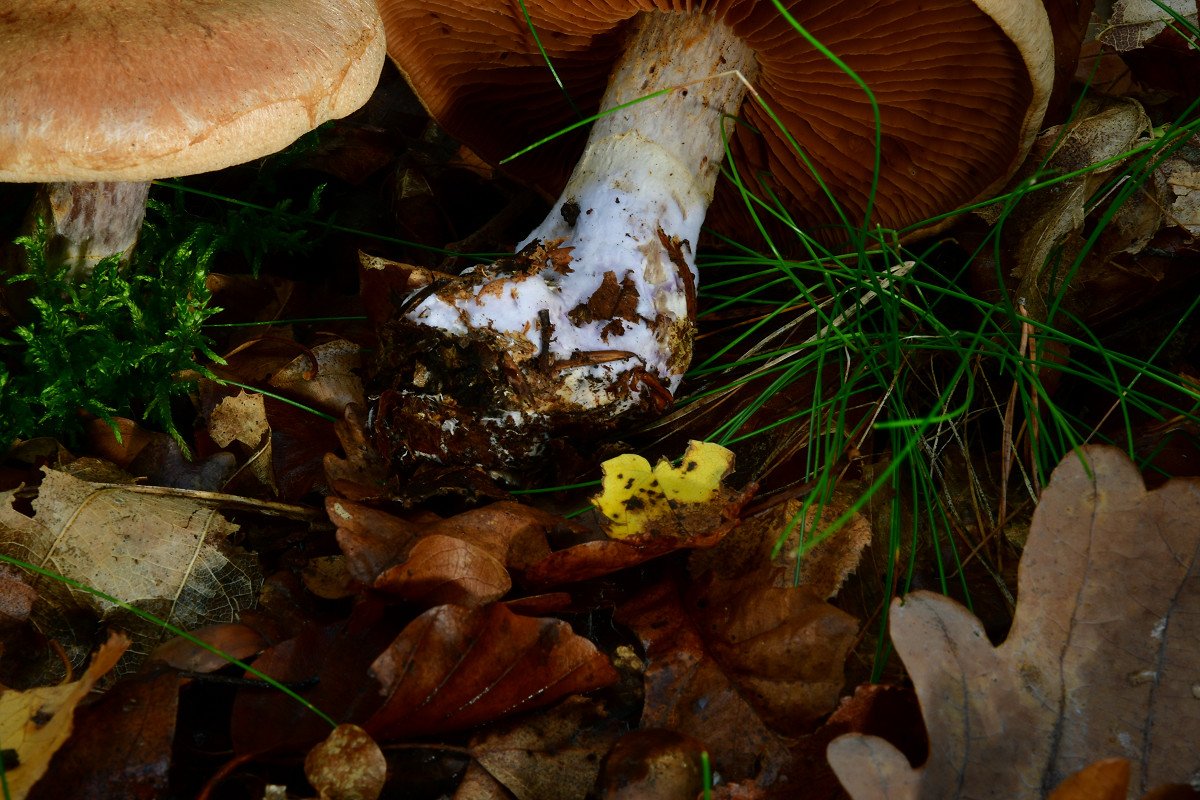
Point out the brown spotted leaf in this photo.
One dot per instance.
(1101, 660)
(454, 667)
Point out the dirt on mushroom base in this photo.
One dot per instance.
(492, 399)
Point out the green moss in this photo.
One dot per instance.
(119, 343)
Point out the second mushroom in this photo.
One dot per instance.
(594, 316)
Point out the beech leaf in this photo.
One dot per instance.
(454, 667)
(1101, 661)
(551, 755)
(443, 569)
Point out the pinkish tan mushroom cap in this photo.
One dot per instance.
(131, 90)
(961, 85)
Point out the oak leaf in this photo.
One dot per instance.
(1101, 660)
(740, 665)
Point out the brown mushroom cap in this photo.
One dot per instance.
(130, 90)
(961, 88)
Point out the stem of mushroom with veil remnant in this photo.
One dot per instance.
(595, 313)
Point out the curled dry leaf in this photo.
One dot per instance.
(494, 539)
(164, 554)
(453, 668)
(372, 540)
(1103, 652)
(34, 724)
(326, 377)
(362, 474)
(1048, 220)
(1133, 23)
(348, 765)
(826, 562)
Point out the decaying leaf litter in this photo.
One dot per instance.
(497, 645)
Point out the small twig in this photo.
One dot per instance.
(268, 508)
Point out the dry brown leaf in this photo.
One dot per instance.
(453, 668)
(824, 566)
(372, 540)
(552, 755)
(1135, 22)
(1183, 183)
(362, 474)
(329, 577)
(653, 764)
(443, 569)
(495, 538)
(739, 666)
(239, 418)
(121, 746)
(161, 553)
(34, 724)
(1104, 780)
(478, 784)
(1050, 219)
(348, 765)
(1101, 660)
(16, 597)
(233, 639)
(328, 378)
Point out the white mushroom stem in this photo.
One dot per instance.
(618, 318)
(89, 222)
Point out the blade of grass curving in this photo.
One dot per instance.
(172, 629)
(280, 398)
(537, 40)
(325, 224)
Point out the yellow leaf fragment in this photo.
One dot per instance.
(634, 496)
(35, 723)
